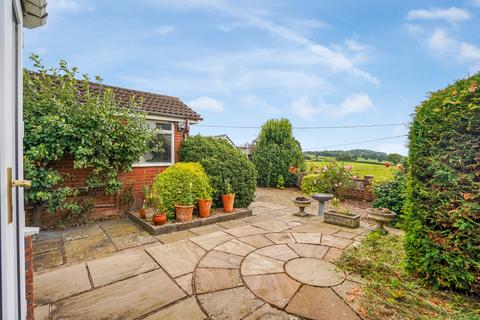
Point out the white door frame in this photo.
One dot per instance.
(13, 304)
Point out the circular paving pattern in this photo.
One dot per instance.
(314, 272)
(277, 275)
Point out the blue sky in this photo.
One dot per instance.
(239, 63)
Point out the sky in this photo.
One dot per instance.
(239, 63)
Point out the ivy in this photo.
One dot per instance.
(65, 118)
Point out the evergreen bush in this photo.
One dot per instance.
(443, 201)
(276, 151)
(222, 163)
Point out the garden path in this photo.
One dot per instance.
(271, 265)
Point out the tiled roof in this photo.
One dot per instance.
(152, 102)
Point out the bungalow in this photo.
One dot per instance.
(171, 116)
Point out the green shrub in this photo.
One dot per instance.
(443, 201)
(333, 178)
(276, 151)
(222, 163)
(392, 193)
(183, 183)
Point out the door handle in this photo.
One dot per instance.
(10, 185)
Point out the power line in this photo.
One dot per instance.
(308, 128)
(357, 142)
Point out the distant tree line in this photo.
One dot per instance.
(353, 155)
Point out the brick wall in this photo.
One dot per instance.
(29, 277)
(362, 190)
(109, 205)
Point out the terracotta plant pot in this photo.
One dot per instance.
(184, 213)
(159, 218)
(228, 200)
(142, 213)
(204, 207)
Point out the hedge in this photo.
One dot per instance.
(222, 162)
(276, 151)
(391, 194)
(182, 183)
(443, 200)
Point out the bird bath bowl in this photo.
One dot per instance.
(322, 198)
(302, 203)
(381, 216)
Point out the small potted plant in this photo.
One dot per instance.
(341, 217)
(184, 209)
(228, 197)
(159, 217)
(146, 194)
(204, 205)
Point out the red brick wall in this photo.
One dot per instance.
(29, 277)
(110, 205)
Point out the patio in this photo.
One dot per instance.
(269, 265)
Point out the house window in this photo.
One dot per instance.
(165, 137)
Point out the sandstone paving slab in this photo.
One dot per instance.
(281, 237)
(247, 230)
(127, 299)
(314, 272)
(275, 206)
(289, 217)
(176, 236)
(256, 219)
(46, 260)
(255, 204)
(123, 265)
(230, 304)
(257, 264)
(46, 241)
(277, 288)
(59, 283)
(315, 227)
(133, 240)
(185, 282)
(211, 240)
(350, 292)
(345, 234)
(218, 259)
(273, 225)
(258, 210)
(332, 241)
(333, 254)
(214, 279)
(268, 313)
(355, 277)
(257, 241)
(320, 303)
(42, 312)
(305, 237)
(206, 229)
(309, 250)
(81, 232)
(187, 309)
(232, 224)
(120, 227)
(235, 247)
(280, 252)
(89, 247)
(177, 258)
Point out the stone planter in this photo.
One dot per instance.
(302, 203)
(342, 219)
(381, 216)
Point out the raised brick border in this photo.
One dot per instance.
(216, 216)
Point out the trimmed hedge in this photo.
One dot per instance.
(276, 151)
(222, 162)
(183, 183)
(392, 193)
(443, 201)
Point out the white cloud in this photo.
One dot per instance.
(451, 14)
(476, 3)
(441, 42)
(206, 103)
(354, 104)
(163, 30)
(353, 45)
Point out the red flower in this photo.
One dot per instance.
(387, 164)
(293, 170)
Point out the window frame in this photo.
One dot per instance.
(172, 144)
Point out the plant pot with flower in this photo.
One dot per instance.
(205, 205)
(228, 197)
(159, 216)
(184, 208)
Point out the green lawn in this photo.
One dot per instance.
(379, 171)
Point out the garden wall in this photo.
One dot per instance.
(131, 193)
(362, 191)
